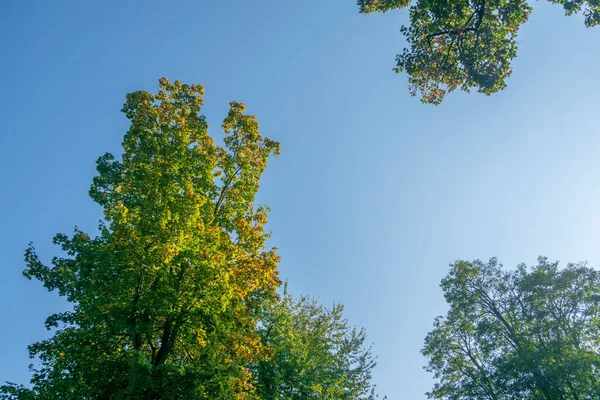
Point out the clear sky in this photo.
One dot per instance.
(374, 194)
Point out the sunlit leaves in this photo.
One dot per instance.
(369, 6)
(166, 298)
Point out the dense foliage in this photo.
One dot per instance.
(315, 354)
(166, 297)
(521, 334)
(465, 44)
(171, 299)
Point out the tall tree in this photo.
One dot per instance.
(521, 334)
(466, 44)
(166, 298)
(314, 353)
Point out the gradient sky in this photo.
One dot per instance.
(374, 194)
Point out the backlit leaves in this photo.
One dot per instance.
(313, 354)
(464, 44)
(522, 334)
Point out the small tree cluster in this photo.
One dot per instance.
(169, 296)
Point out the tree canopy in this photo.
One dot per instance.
(529, 333)
(464, 44)
(166, 297)
(315, 353)
(175, 298)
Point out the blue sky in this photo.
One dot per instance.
(374, 194)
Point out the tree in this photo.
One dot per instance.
(166, 298)
(521, 334)
(466, 44)
(314, 353)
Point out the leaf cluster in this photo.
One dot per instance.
(166, 298)
(175, 298)
(314, 353)
(526, 334)
(464, 44)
